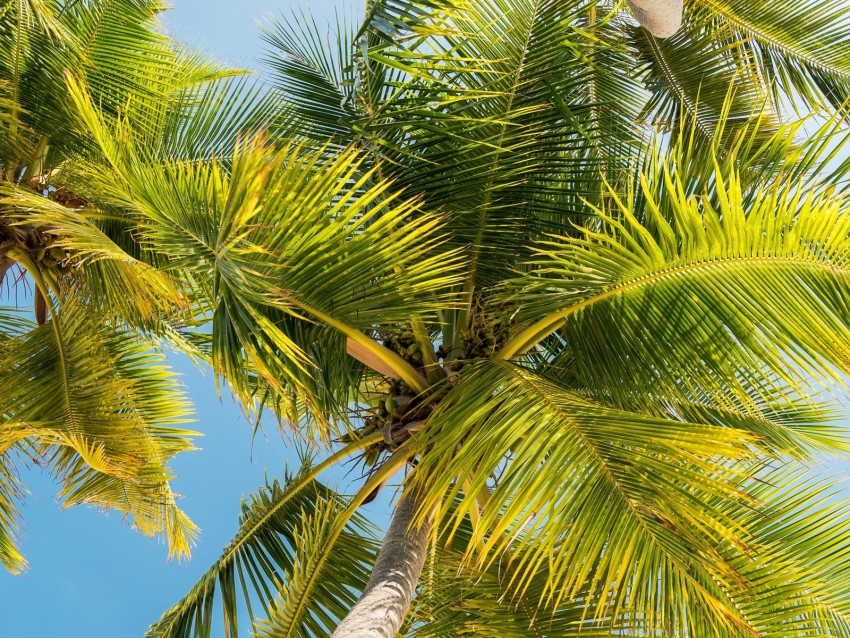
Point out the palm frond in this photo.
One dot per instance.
(273, 561)
(495, 114)
(132, 69)
(591, 492)
(314, 75)
(703, 78)
(98, 270)
(800, 47)
(797, 528)
(457, 599)
(128, 61)
(247, 238)
(26, 28)
(731, 291)
(205, 119)
(100, 410)
(596, 516)
(11, 494)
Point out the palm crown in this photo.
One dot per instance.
(588, 286)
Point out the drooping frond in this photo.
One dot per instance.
(11, 494)
(100, 410)
(131, 68)
(616, 511)
(204, 120)
(126, 57)
(797, 529)
(457, 599)
(591, 492)
(800, 527)
(280, 559)
(25, 28)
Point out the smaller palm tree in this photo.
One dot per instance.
(85, 391)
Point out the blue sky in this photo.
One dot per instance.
(227, 29)
(91, 575)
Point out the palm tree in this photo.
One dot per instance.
(85, 389)
(590, 298)
(602, 351)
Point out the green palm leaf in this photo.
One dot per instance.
(313, 78)
(803, 528)
(205, 119)
(26, 28)
(704, 77)
(129, 62)
(455, 599)
(641, 293)
(557, 457)
(798, 504)
(597, 514)
(100, 410)
(494, 120)
(280, 558)
(11, 494)
(801, 47)
(97, 270)
(247, 238)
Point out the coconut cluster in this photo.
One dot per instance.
(34, 248)
(403, 343)
(398, 414)
(395, 410)
(485, 334)
(50, 257)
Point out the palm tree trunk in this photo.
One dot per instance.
(662, 18)
(383, 606)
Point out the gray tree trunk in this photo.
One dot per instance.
(383, 606)
(662, 18)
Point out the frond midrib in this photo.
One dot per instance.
(98, 25)
(44, 289)
(237, 543)
(202, 587)
(678, 89)
(302, 599)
